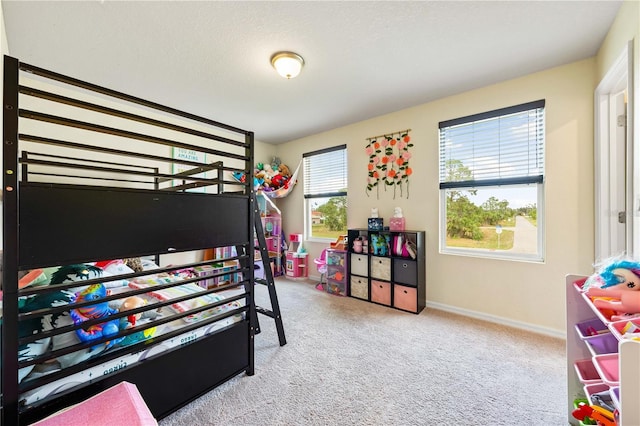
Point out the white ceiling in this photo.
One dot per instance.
(363, 59)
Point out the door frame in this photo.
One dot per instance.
(618, 78)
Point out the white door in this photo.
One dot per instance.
(614, 163)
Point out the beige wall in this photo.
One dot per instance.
(3, 34)
(625, 27)
(528, 295)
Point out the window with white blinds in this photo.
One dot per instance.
(492, 183)
(325, 172)
(500, 147)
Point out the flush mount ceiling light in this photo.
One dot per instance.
(288, 64)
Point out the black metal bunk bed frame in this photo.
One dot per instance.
(49, 223)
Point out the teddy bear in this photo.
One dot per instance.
(284, 170)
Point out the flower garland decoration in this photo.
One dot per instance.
(389, 162)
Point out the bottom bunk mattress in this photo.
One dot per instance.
(172, 311)
(99, 372)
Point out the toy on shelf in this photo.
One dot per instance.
(380, 244)
(616, 288)
(603, 416)
(397, 222)
(374, 222)
(340, 243)
(359, 244)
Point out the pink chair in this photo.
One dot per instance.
(321, 264)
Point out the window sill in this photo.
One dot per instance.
(491, 254)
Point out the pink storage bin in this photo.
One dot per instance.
(595, 388)
(617, 327)
(587, 372)
(607, 368)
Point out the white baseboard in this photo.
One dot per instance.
(488, 317)
(498, 320)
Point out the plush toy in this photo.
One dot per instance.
(616, 287)
(96, 310)
(380, 244)
(278, 181)
(134, 263)
(284, 170)
(275, 163)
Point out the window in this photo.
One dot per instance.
(492, 183)
(325, 193)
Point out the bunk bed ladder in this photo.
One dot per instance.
(268, 281)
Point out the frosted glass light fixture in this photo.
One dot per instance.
(288, 64)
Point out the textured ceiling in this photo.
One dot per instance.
(363, 59)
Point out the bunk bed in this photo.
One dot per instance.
(110, 199)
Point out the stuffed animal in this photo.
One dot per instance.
(380, 244)
(134, 263)
(95, 292)
(278, 181)
(275, 163)
(284, 170)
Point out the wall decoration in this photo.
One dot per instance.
(189, 155)
(389, 163)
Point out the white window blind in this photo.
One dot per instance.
(500, 147)
(325, 172)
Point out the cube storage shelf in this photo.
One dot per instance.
(599, 357)
(384, 272)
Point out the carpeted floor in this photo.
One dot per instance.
(349, 362)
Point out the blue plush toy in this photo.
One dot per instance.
(97, 310)
(380, 244)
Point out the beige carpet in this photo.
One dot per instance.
(349, 362)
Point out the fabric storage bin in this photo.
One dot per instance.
(404, 271)
(359, 287)
(359, 264)
(405, 298)
(380, 268)
(381, 292)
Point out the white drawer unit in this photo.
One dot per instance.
(388, 279)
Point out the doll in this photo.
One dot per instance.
(616, 287)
